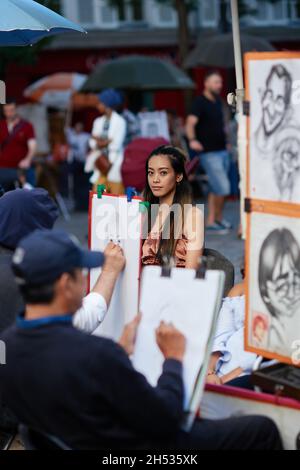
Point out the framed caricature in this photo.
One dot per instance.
(273, 90)
(273, 191)
(273, 300)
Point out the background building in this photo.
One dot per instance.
(150, 27)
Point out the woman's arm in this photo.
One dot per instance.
(234, 374)
(194, 231)
(238, 290)
(211, 376)
(213, 361)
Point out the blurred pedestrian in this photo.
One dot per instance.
(133, 125)
(107, 142)
(78, 142)
(176, 130)
(205, 129)
(84, 390)
(17, 146)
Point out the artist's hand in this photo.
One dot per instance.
(128, 337)
(114, 259)
(196, 145)
(25, 164)
(170, 341)
(213, 379)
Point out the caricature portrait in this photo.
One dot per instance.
(274, 129)
(279, 285)
(286, 163)
(275, 107)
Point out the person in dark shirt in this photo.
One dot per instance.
(205, 129)
(17, 146)
(84, 389)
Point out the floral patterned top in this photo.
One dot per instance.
(150, 248)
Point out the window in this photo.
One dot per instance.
(85, 11)
(294, 9)
(161, 16)
(130, 10)
(166, 14)
(271, 13)
(106, 14)
(209, 12)
(101, 13)
(94, 13)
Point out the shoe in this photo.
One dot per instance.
(224, 224)
(216, 229)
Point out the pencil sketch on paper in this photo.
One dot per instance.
(277, 136)
(279, 285)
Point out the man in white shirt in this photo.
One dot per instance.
(108, 137)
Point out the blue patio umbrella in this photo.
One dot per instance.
(24, 22)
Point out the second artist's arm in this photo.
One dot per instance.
(194, 231)
(234, 374)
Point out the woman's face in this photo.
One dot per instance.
(162, 179)
(102, 108)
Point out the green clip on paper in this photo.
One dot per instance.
(144, 206)
(100, 190)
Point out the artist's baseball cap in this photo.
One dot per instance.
(43, 256)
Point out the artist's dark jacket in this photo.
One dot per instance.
(84, 389)
(11, 302)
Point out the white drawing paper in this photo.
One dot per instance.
(115, 219)
(192, 305)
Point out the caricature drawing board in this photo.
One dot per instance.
(113, 218)
(273, 127)
(273, 282)
(192, 305)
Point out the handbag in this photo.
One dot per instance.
(103, 164)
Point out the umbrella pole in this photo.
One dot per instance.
(239, 98)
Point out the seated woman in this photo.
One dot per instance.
(174, 227)
(230, 364)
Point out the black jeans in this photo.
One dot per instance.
(8, 178)
(241, 433)
(81, 186)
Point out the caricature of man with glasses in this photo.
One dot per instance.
(275, 106)
(279, 284)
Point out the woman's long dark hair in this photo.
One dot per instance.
(183, 196)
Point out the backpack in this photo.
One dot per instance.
(133, 169)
